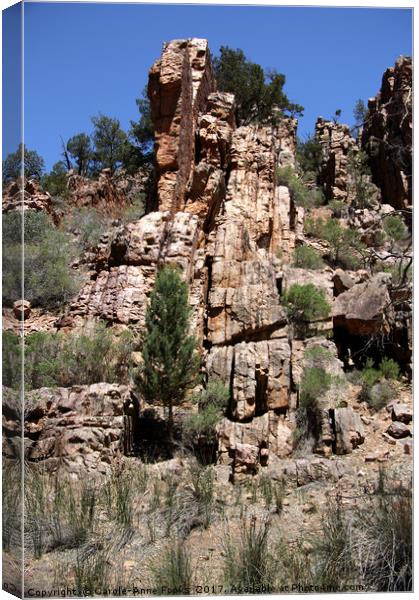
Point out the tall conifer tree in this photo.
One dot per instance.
(170, 361)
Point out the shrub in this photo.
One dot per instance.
(309, 156)
(302, 195)
(345, 244)
(389, 368)
(383, 539)
(315, 382)
(135, 210)
(257, 92)
(306, 302)
(307, 258)
(335, 563)
(11, 360)
(338, 208)
(200, 428)
(88, 225)
(374, 391)
(172, 571)
(55, 182)
(318, 356)
(248, 562)
(78, 358)
(360, 185)
(394, 228)
(12, 164)
(48, 278)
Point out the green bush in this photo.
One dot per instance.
(338, 208)
(359, 184)
(78, 358)
(49, 280)
(257, 92)
(382, 539)
(375, 390)
(389, 368)
(212, 402)
(302, 195)
(89, 226)
(346, 247)
(135, 210)
(309, 156)
(170, 361)
(394, 228)
(55, 182)
(306, 303)
(307, 258)
(315, 382)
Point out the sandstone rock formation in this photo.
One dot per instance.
(387, 135)
(102, 193)
(336, 142)
(31, 197)
(365, 308)
(81, 428)
(221, 217)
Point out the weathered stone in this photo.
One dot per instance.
(79, 428)
(336, 142)
(258, 372)
(179, 83)
(398, 430)
(248, 446)
(22, 309)
(103, 193)
(387, 135)
(31, 197)
(401, 412)
(365, 309)
(349, 430)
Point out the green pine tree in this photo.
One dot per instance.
(170, 361)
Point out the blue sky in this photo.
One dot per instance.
(83, 59)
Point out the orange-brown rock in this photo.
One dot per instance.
(336, 142)
(179, 84)
(29, 197)
(80, 429)
(387, 135)
(103, 193)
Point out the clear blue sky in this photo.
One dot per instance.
(85, 59)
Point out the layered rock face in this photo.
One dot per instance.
(179, 84)
(29, 197)
(221, 217)
(81, 428)
(387, 135)
(336, 141)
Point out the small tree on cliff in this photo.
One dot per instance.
(257, 91)
(170, 362)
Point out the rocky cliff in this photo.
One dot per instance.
(220, 215)
(387, 135)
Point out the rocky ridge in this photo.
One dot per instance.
(220, 215)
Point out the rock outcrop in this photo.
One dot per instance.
(103, 193)
(336, 142)
(365, 308)
(82, 428)
(31, 197)
(221, 217)
(387, 135)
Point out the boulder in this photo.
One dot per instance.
(349, 431)
(398, 430)
(401, 412)
(366, 308)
